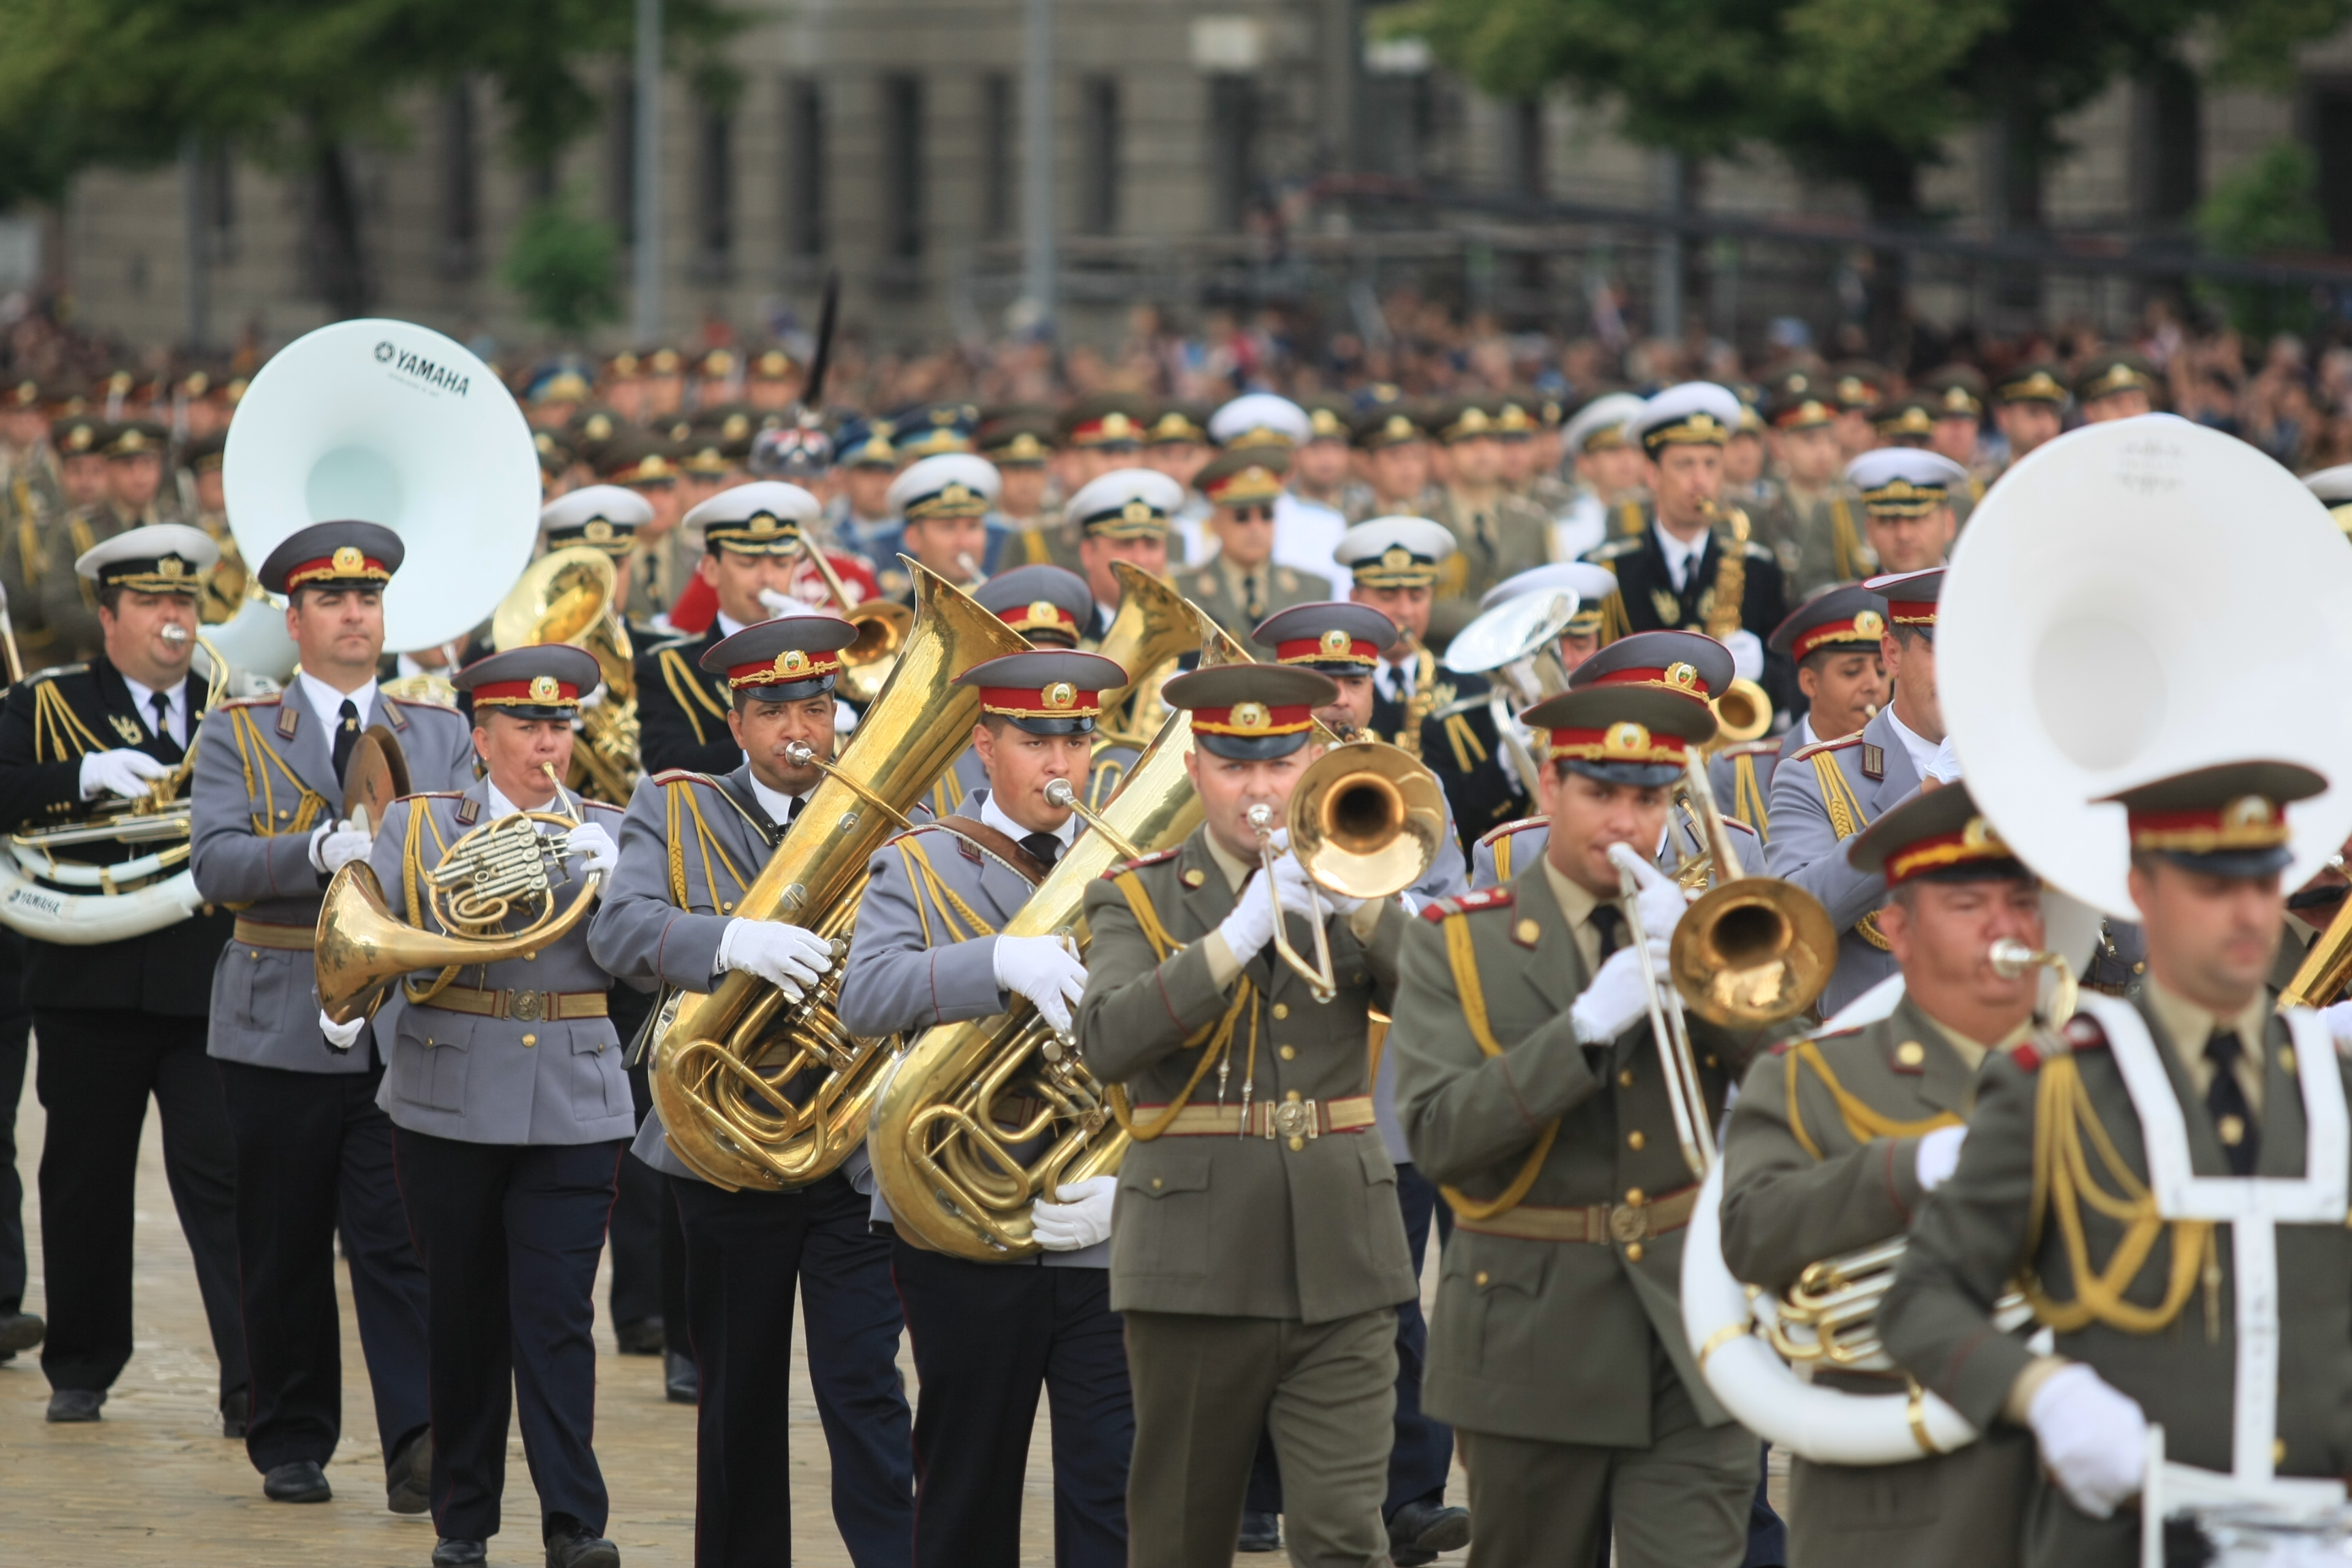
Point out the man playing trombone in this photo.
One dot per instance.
(510, 1108)
(1259, 1254)
(121, 1020)
(1837, 1140)
(929, 951)
(1541, 1085)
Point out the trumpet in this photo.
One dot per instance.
(882, 627)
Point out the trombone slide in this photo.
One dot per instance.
(1685, 1096)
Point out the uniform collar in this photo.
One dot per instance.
(1234, 871)
(775, 802)
(991, 815)
(328, 704)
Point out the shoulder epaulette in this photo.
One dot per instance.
(267, 699)
(1629, 545)
(1468, 904)
(1736, 825)
(1751, 748)
(435, 794)
(1521, 824)
(1837, 745)
(1140, 861)
(55, 672)
(423, 705)
(669, 776)
(606, 805)
(909, 831)
(2082, 1033)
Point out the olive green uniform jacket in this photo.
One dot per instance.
(1241, 1226)
(1821, 1158)
(1544, 1339)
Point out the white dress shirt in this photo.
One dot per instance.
(176, 716)
(1394, 680)
(995, 819)
(775, 802)
(328, 704)
(1682, 559)
(1922, 751)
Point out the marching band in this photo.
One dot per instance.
(1791, 1014)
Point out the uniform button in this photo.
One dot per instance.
(1296, 1144)
(1194, 878)
(2278, 1450)
(1156, 1183)
(2286, 1058)
(1633, 1198)
(1910, 1054)
(1625, 1077)
(1633, 1252)
(1634, 1140)
(1710, 1062)
(530, 1039)
(253, 952)
(1282, 1010)
(1479, 1278)
(728, 907)
(2139, 969)
(1287, 1052)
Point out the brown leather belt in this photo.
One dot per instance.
(528, 1007)
(286, 939)
(1293, 1118)
(1602, 1223)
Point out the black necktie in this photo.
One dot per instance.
(347, 735)
(1609, 923)
(792, 813)
(1252, 606)
(1046, 846)
(163, 706)
(2233, 1119)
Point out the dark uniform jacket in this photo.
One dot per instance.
(682, 712)
(1462, 745)
(1306, 1228)
(48, 724)
(1645, 588)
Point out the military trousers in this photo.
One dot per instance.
(1203, 1387)
(1961, 1509)
(642, 1270)
(747, 1254)
(1681, 1502)
(510, 1237)
(15, 1030)
(313, 1157)
(987, 1337)
(98, 1069)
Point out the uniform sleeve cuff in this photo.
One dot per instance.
(2018, 1405)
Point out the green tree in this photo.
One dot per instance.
(2268, 204)
(562, 265)
(298, 83)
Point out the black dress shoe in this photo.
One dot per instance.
(19, 1331)
(644, 1337)
(1260, 1531)
(76, 1404)
(575, 1549)
(681, 1379)
(408, 1482)
(1419, 1531)
(451, 1552)
(300, 1480)
(236, 1413)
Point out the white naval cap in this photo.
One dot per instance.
(1590, 584)
(159, 558)
(948, 484)
(1906, 481)
(1125, 503)
(1396, 552)
(1695, 413)
(615, 504)
(1260, 420)
(1600, 421)
(762, 518)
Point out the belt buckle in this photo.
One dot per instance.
(1295, 1119)
(526, 1006)
(1629, 1223)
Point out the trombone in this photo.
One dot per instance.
(1685, 1096)
(882, 627)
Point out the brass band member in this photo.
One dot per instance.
(690, 845)
(987, 1336)
(1838, 1138)
(313, 1151)
(1051, 607)
(121, 1020)
(1834, 640)
(1530, 1085)
(1394, 562)
(1908, 496)
(1257, 1252)
(509, 1111)
(2151, 1313)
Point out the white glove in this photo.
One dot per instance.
(1747, 654)
(592, 843)
(1939, 1155)
(123, 771)
(785, 956)
(1290, 880)
(342, 1036)
(1250, 927)
(1045, 971)
(2093, 1438)
(2339, 1019)
(1081, 1219)
(1945, 768)
(335, 844)
(1662, 903)
(1617, 998)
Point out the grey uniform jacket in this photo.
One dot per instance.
(1514, 847)
(670, 903)
(914, 961)
(508, 1079)
(265, 778)
(1448, 875)
(1809, 835)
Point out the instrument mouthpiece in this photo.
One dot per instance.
(1059, 793)
(175, 633)
(798, 754)
(777, 603)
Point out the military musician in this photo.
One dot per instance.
(1121, 514)
(2197, 1079)
(120, 1021)
(1258, 1251)
(2029, 407)
(1811, 526)
(1051, 607)
(1531, 1088)
(929, 950)
(1838, 1137)
(1834, 640)
(1497, 533)
(945, 499)
(1907, 497)
(510, 1110)
(1245, 582)
(604, 518)
(1393, 564)
(691, 846)
(313, 1149)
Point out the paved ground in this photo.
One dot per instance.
(155, 1482)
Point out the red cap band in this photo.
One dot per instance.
(1623, 742)
(1976, 841)
(792, 664)
(1057, 699)
(1253, 719)
(1332, 645)
(1678, 678)
(2249, 822)
(539, 691)
(346, 564)
(1866, 627)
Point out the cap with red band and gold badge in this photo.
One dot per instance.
(1245, 476)
(1910, 595)
(1050, 691)
(1641, 735)
(1050, 605)
(2227, 820)
(1688, 665)
(782, 660)
(1336, 636)
(334, 555)
(1115, 420)
(544, 681)
(1851, 619)
(1936, 835)
(1251, 712)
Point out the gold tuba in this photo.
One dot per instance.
(1153, 626)
(567, 596)
(725, 1066)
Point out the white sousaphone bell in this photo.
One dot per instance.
(2134, 599)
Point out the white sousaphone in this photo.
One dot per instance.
(377, 421)
(2133, 599)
